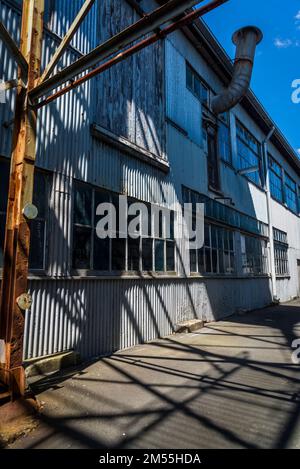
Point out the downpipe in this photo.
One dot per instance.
(246, 40)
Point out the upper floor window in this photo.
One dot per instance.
(281, 249)
(146, 252)
(276, 186)
(211, 149)
(37, 256)
(254, 255)
(196, 85)
(290, 193)
(217, 255)
(249, 153)
(224, 140)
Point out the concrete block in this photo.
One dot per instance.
(51, 363)
(189, 326)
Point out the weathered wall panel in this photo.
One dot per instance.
(97, 317)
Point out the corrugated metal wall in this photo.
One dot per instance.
(96, 317)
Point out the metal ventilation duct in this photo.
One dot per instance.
(246, 40)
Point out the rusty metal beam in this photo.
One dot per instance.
(134, 49)
(149, 23)
(17, 230)
(14, 49)
(67, 39)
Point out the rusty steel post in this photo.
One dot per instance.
(17, 231)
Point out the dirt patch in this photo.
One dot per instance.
(18, 419)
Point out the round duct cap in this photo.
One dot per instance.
(245, 30)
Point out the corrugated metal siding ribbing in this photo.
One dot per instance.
(8, 70)
(97, 317)
(59, 15)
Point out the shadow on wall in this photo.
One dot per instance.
(98, 316)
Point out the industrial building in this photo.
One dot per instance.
(146, 128)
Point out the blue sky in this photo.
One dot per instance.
(278, 57)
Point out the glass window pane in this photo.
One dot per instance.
(83, 205)
(207, 261)
(204, 94)
(221, 262)
(207, 235)
(214, 240)
(172, 222)
(133, 254)
(147, 254)
(214, 261)
(197, 88)
(220, 238)
(37, 242)
(232, 263)
(170, 256)
(231, 241)
(224, 145)
(101, 253)
(189, 77)
(115, 202)
(193, 260)
(227, 262)
(201, 269)
(40, 193)
(159, 256)
(118, 254)
(249, 153)
(81, 248)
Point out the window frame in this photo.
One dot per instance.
(289, 189)
(91, 271)
(282, 268)
(271, 160)
(257, 155)
(245, 257)
(202, 82)
(48, 180)
(217, 248)
(227, 125)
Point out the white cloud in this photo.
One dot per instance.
(283, 43)
(298, 151)
(297, 17)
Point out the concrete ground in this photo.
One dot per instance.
(230, 385)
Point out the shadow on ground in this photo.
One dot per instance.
(231, 385)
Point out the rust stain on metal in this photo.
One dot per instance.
(17, 235)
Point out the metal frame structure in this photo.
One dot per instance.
(33, 90)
